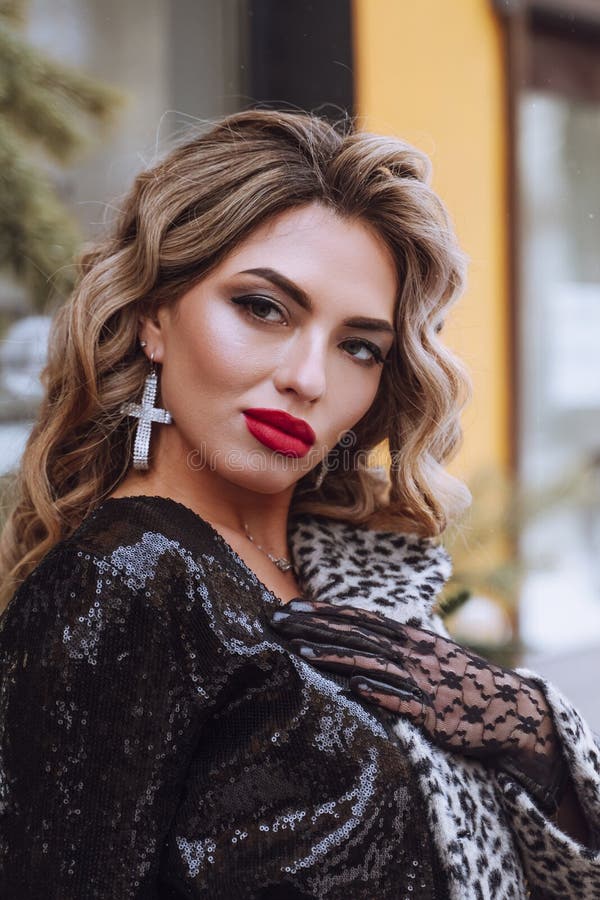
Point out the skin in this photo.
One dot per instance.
(217, 358)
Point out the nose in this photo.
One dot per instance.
(301, 368)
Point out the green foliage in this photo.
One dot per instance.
(43, 106)
(450, 603)
(501, 510)
(43, 100)
(38, 238)
(13, 11)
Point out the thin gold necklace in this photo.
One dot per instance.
(280, 561)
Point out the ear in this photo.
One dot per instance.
(151, 330)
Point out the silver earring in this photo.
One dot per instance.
(147, 413)
(321, 475)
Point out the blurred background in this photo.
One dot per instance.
(504, 96)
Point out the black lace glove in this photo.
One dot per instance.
(463, 702)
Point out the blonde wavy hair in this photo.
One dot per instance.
(182, 216)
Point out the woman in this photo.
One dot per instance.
(162, 734)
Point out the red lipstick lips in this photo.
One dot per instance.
(278, 430)
(280, 419)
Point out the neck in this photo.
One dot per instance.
(226, 505)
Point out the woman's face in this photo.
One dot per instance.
(240, 340)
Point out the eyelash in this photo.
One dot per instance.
(246, 302)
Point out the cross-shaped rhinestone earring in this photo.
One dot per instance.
(147, 413)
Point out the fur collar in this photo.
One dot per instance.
(396, 574)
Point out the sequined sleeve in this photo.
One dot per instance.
(97, 728)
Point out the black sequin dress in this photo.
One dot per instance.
(159, 740)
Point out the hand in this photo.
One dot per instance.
(463, 702)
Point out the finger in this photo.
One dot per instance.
(324, 630)
(390, 636)
(344, 661)
(331, 631)
(319, 606)
(355, 635)
(422, 638)
(401, 700)
(283, 620)
(345, 612)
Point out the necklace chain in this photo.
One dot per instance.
(280, 561)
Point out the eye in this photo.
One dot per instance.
(375, 353)
(255, 301)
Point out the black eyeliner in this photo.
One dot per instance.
(246, 300)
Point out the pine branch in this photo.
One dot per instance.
(43, 100)
(13, 11)
(43, 105)
(450, 604)
(38, 238)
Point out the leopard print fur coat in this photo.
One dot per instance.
(492, 838)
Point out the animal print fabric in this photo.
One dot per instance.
(493, 839)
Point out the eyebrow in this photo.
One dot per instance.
(302, 299)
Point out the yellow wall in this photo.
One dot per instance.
(431, 72)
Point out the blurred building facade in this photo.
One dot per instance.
(505, 97)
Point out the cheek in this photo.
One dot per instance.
(353, 399)
(209, 351)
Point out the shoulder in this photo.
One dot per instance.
(141, 562)
(73, 591)
(134, 533)
(123, 556)
(100, 606)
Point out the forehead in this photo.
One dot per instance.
(312, 243)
